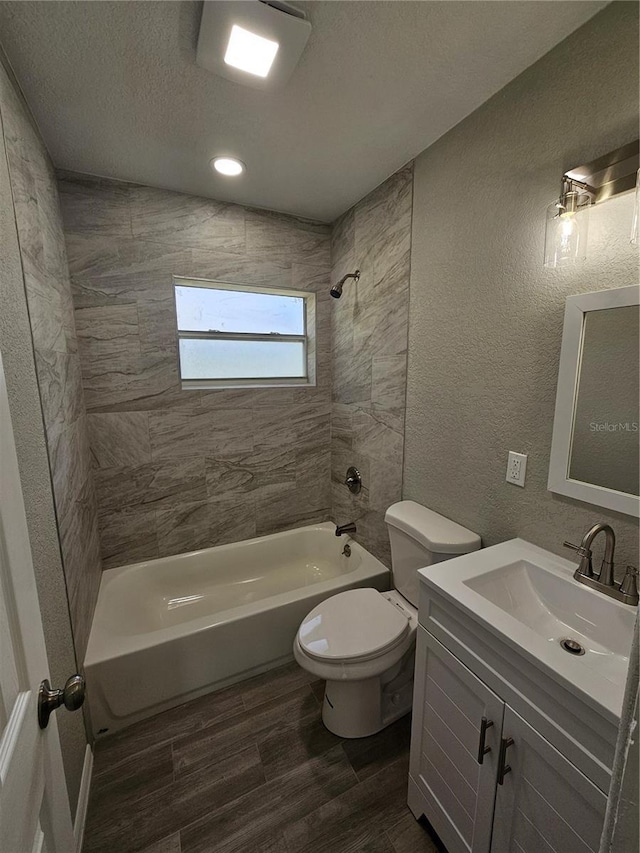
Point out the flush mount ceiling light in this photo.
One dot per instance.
(567, 223)
(252, 42)
(229, 166)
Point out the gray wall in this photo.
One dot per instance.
(370, 325)
(486, 316)
(27, 417)
(176, 469)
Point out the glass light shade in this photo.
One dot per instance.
(567, 230)
(635, 227)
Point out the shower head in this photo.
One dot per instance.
(336, 290)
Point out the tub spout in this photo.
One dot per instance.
(345, 528)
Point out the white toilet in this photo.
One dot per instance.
(362, 642)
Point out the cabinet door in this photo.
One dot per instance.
(456, 791)
(544, 804)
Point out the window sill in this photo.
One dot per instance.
(243, 384)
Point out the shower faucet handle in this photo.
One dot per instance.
(353, 480)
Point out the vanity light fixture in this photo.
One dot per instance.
(254, 42)
(567, 222)
(228, 166)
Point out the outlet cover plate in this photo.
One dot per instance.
(516, 468)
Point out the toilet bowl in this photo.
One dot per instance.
(362, 642)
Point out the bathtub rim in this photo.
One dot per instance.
(105, 646)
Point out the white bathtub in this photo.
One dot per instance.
(169, 630)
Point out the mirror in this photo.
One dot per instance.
(596, 434)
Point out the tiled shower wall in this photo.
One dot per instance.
(51, 316)
(177, 470)
(370, 327)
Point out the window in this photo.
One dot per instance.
(231, 334)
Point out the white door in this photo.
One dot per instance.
(34, 805)
(544, 804)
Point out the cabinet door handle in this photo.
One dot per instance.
(503, 768)
(482, 749)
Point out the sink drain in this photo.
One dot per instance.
(572, 646)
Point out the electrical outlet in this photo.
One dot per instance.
(516, 468)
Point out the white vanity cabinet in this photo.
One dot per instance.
(544, 803)
(486, 780)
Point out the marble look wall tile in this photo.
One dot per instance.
(388, 390)
(157, 485)
(95, 207)
(119, 439)
(46, 310)
(259, 444)
(240, 269)
(149, 382)
(108, 340)
(184, 528)
(182, 220)
(127, 536)
(191, 431)
(119, 261)
(343, 237)
(157, 325)
(369, 333)
(273, 426)
(51, 315)
(273, 236)
(256, 471)
(80, 545)
(60, 385)
(232, 519)
(70, 461)
(312, 278)
(313, 464)
(342, 425)
(291, 508)
(383, 218)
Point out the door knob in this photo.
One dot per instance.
(71, 697)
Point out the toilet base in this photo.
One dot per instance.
(355, 709)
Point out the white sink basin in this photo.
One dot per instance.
(529, 597)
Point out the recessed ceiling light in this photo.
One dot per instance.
(250, 52)
(228, 165)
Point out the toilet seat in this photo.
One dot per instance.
(356, 625)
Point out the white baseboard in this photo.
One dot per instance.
(83, 798)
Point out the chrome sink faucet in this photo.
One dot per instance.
(604, 582)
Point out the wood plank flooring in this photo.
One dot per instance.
(252, 769)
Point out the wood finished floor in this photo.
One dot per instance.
(252, 769)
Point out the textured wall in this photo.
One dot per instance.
(486, 316)
(26, 414)
(180, 469)
(370, 324)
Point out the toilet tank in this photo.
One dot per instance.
(420, 537)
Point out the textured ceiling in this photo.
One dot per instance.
(116, 92)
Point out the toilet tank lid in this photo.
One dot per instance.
(435, 532)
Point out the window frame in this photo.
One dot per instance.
(309, 301)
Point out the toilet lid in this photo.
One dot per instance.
(354, 624)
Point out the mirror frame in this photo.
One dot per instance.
(568, 377)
